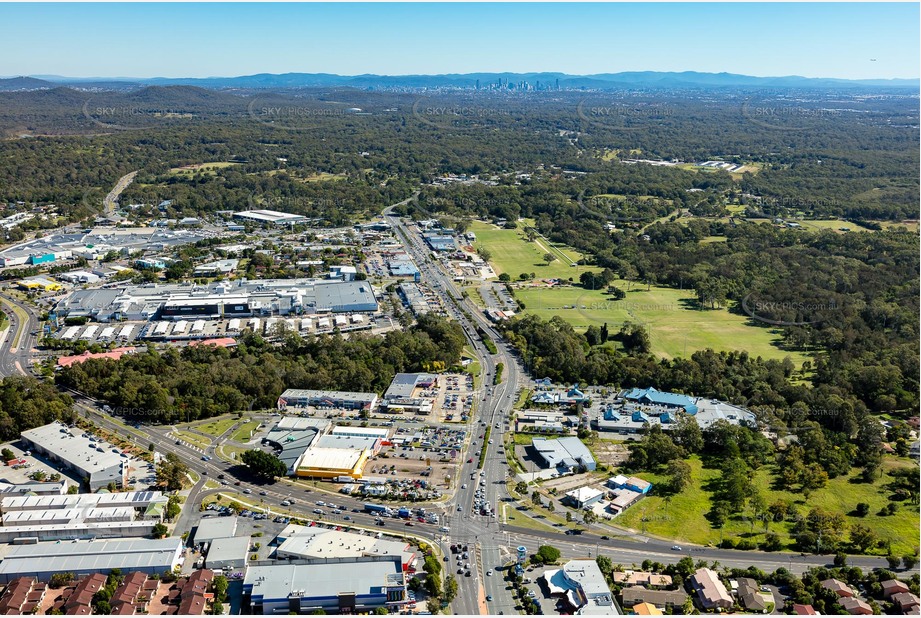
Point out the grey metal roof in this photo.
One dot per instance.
(83, 556)
(210, 528)
(326, 579)
(227, 550)
(69, 445)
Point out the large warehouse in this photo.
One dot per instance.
(224, 299)
(566, 455)
(93, 461)
(336, 586)
(305, 542)
(301, 398)
(269, 217)
(80, 516)
(42, 560)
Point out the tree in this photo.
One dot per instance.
(73, 489)
(173, 508)
(382, 611)
(548, 258)
(679, 472)
(589, 517)
(450, 589)
(862, 537)
(604, 563)
(59, 580)
(909, 561)
(535, 497)
(171, 472)
(894, 561)
(264, 464)
(568, 515)
(521, 488)
(433, 584)
(219, 586)
(159, 531)
(7, 454)
(217, 608)
(505, 277)
(547, 554)
(862, 509)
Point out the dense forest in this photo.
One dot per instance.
(26, 403)
(859, 160)
(199, 382)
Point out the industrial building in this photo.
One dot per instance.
(80, 516)
(304, 542)
(567, 455)
(292, 435)
(218, 300)
(269, 217)
(228, 553)
(42, 560)
(210, 528)
(407, 393)
(34, 488)
(301, 398)
(336, 586)
(91, 460)
(583, 586)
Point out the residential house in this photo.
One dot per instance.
(21, 596)
(804, 610)
(647, 609)
(855, 606)
(893, 586)
(710, 591)
(838, 587)
(81, 600)
(750, 596)
(908, 602)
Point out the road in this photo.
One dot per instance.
(17, 342)
(110, 200)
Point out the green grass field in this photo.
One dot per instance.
(675, 327)
(245, 431)
(683, 517)
(216, 426)
(513, 254)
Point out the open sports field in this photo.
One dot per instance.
(513, 254)
(683, 516)
(675, 326)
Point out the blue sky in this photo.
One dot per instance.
(199, 40)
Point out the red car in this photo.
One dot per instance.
(409, 523)
(470, 460)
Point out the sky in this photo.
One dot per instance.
(840, 40)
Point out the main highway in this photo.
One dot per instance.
(17, 340)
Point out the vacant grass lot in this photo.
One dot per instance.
(683, 516)
(245, 432)
(217, 426)
(676, 327)
(513, 254)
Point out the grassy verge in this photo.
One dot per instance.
(193, 438)
(523, 398)
(216, 426)
(230, 453)
(497, 379)
(482, 460)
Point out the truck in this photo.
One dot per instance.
(378, 509)
(404, 513)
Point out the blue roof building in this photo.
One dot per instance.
(652, 396)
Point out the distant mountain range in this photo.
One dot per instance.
(601, 81)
